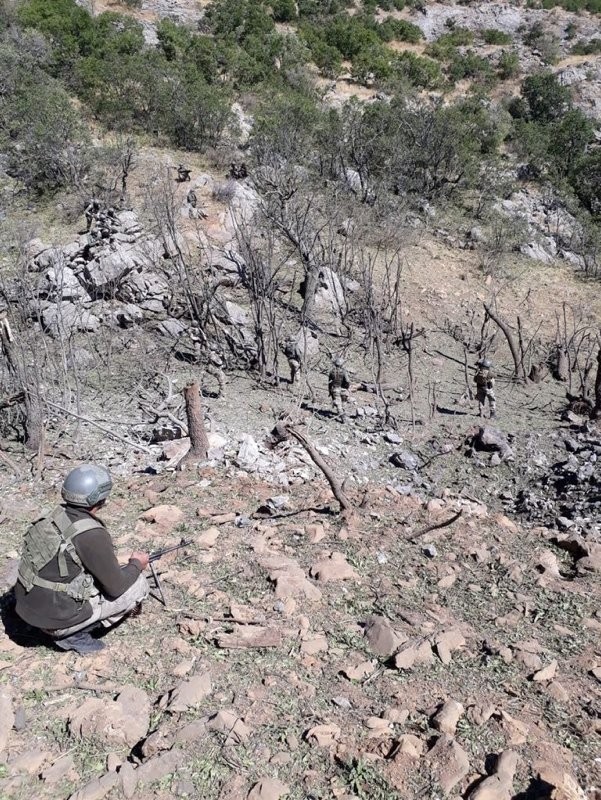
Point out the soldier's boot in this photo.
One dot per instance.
(480, 409)
(82, 642)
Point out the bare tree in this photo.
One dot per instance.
(261, 271)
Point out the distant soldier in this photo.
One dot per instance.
(238, 171)
(183, 174)
(191, 198)
(90, 212)
(294, 356)
(485, 387)
(214, 366)
(338, 386)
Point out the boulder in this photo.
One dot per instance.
(63, 318)
(382, 638)
(492, 440)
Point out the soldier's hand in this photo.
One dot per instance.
(141, 557)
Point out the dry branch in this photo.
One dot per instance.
(108, 431)
(282, 430)
(517, 365)
(423, 531)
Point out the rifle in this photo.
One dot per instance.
(155, 556)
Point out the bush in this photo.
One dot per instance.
(372, 63)
(508, 65)
(283, 10)
(495, 36)
(586, 180)
(543, 41)
(400, 30)
(472, 66)
(582, 48)
(445, 47)
(569, 138)
(547, 99)
(42, 136)
(419, 71)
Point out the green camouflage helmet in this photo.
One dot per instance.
(87, 485)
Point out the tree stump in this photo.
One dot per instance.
(199, 443)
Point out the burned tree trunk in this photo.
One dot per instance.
(24, 381)
(597, 409)
(199, 443)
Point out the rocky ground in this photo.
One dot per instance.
(441, 638)
(306, 655)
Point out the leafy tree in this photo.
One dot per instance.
(586, 180)
(547, 99)
(568, 140)
(42, 136)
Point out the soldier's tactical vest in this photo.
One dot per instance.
(483, 378)
(338, 378)
(52, 537)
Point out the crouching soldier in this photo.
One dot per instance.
(70, 581)
(338, 386)
(485, 387)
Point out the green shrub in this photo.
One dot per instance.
(236, 20)
(495, 36)
(445, 47)
(372, 62)
(569, 138)
(471, 66)
(586, 180)
(283, 10)
(508, 65)
(418, 70)
(42, 136)
(582, 48)
(400, 30)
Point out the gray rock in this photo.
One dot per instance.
(232, 314)
(170, 327)
(393, 438)
(248, 453)
(141, 285)
(64, 318)
(405, 459)
(491, 439)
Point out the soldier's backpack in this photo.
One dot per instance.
(52, 537)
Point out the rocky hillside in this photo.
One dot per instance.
(408, 186)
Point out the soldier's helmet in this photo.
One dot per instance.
(485, 362)
(338, 362)
(87, 485)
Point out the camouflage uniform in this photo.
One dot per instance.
(294, 357)
(485, 388)
(214, 367)
(338, 386)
